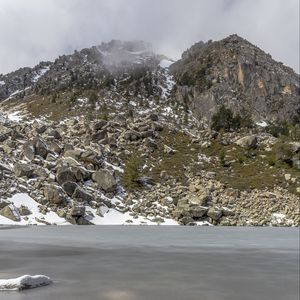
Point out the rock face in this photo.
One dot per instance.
(238, 74)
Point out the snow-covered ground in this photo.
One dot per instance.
(110, 216)
(114, 217)
(36, 217)
(24, 282)
(280, 218)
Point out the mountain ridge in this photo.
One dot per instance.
(117, 130)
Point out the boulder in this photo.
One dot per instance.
(99, 135)
(247, 142)
(81, 195)
(41, 148)
(69, 187)
(23, 170)
(187, 221)
(24, 211)
(214, 213)
(4, 203)
(75, 154)
(65, 174)
(132, 135)
(55, 194)
(54, 147)
(105, 179)
(10, 212)
(28, 151)
(198, 211)
(77, 211)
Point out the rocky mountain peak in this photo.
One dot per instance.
(235, 73)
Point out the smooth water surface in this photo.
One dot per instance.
(164, 263)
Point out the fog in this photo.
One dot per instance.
(35, 30)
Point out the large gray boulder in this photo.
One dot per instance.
(10, 212)
(81, 195)
(69, 187)
(65, 174)
(198, 211)
(41, 147)
(105, 179)
(55, 194)
(132, 135)
(214, 213)
(77, 211)
(4, 203)
(24, 211)
(29, 151)
(247, 142)
(23, 170)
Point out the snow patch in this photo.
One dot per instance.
(36, 217)
(114, 217)
(262, 124)
(116, 168)
(279, 218)
(165, 63)
(15, 116)
(2, 82)
(24, 282)
(40, 73)
(82, 101)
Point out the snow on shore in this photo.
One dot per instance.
(24, 282)
(114, 217)
(36, 217)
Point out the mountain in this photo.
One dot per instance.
(239, 75)
(116, 70)
(117, 134)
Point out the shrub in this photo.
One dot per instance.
(92, 98)
(224, 120)
(131, 171)
(278, 129)
(222, 155)
(284, 152)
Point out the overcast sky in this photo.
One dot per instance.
(34, 30)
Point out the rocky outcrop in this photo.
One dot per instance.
(239, 75)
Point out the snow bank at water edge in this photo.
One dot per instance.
(24, 282)
(36, 217)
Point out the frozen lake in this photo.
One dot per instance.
(153, 262)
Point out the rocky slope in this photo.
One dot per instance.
(114, 135)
